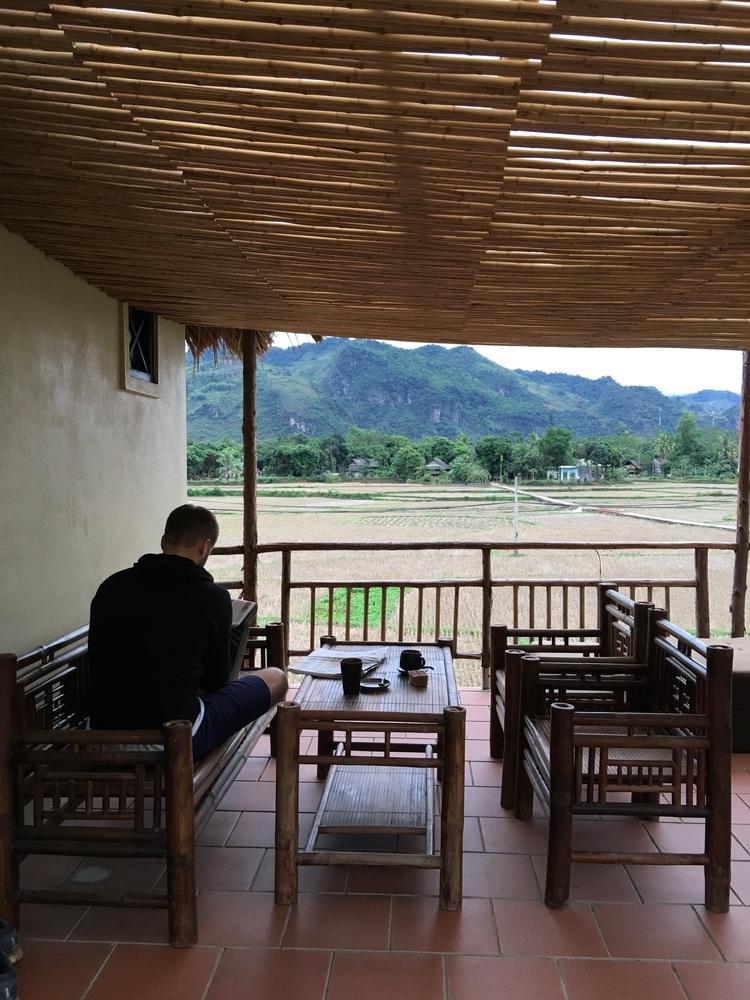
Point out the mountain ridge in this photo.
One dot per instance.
(320, 389)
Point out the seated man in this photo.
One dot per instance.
(159, 643)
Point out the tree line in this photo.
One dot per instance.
(691, 450)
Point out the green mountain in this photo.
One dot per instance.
(325, 388)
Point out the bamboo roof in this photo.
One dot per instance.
(570, 172)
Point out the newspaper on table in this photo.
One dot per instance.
(326, 661)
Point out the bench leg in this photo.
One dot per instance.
(452, 810)
(183, 914)
(560, 843)
(647, 798)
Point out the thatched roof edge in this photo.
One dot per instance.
(223, 340)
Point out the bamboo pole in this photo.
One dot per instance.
(739, 582)
(287, 803)
(250, 477)
(183, 913)
(452, 812)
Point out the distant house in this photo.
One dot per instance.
(632, 468)
(357, 466)
(583, 472)
(436, 466)
(362, 466)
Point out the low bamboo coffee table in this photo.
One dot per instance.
(376, 782)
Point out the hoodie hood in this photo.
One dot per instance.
(162, 570)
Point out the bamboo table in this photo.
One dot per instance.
(378, 784)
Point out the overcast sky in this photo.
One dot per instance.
(672, 370)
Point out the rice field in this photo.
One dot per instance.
(385, 512)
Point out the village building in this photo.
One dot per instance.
(436, 466)
(359, 467)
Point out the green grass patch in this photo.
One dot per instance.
(321, 494)
(357, 608)
(209, 491)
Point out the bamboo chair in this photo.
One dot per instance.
(581, 672)
(671, 761)
(65, 789)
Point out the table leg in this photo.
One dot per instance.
(325, 749)
(452, 809)
(287, 802)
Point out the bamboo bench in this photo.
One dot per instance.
(602, 668)
(66, 789)
(673, 759)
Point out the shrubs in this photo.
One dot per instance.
(465, 470)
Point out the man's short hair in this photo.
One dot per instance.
(189, 524)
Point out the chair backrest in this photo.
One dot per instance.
(677, 668)
(623, 624)
(622, 630)
(52, 683)
(265, 647)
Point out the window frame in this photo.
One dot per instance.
(132, 380)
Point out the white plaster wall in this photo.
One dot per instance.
(88, 472)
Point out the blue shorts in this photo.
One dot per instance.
(228, 710)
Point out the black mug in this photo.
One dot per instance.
(411, 659)
(351, 674)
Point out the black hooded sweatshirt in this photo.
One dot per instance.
(159, 634)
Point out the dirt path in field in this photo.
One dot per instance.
(613, 511)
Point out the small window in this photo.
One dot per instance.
(140, 342)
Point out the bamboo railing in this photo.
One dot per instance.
(436, 611)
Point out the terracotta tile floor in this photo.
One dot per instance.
(632, 933)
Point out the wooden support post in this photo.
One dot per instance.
(719, 767)
(512, 722)
(8, 864)
(702, 604)
(529, 694)
(452, 809)
(739, 582)
(276, 654)
(286, 577)
(498, 645)
(250, 479)
(183, 913)
(287, 802)
(486, 616)
(602, 620)
(641, 637)
(560, 842)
